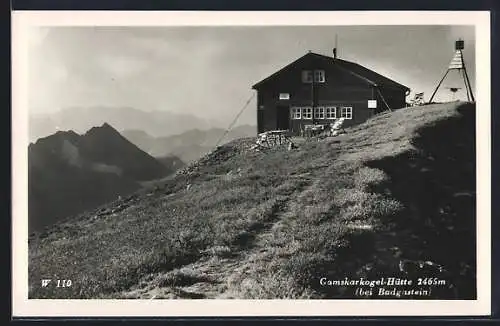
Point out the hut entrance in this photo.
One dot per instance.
(282, 117)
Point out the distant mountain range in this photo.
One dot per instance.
(189, 145)
(81, 119)
(70, 173)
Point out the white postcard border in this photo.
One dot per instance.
(23, 307)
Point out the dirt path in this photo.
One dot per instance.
(218, 276)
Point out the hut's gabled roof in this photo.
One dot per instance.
(366, 75)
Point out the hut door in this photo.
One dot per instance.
(260, 121)
(283, 117)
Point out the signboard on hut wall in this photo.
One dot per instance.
(372, 104)
(284, 96)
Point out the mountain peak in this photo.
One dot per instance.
(107, 125)
(59, 136)
(104, 129)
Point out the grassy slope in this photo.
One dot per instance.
(244, 224)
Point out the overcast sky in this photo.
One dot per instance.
(209, 71)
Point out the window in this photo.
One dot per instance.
(295, 112)
(331, 112)
(346, 112)
(319, 113)
(307, 76)
(319, 76)
(284, 96)
(307, 113)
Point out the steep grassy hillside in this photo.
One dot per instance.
(394, 197)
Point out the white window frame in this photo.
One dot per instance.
(319, 113)
(307, 76)
(307, 113)
(346, 112)
(331, 113)
(319, 76)
(296, 113)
